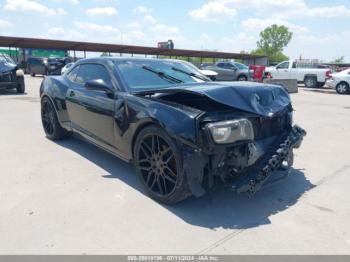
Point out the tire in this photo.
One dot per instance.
(342, 88)
(242, 78)
(21, 85)
(320, 84)
(310, 81)
(52, 127)
(158, 163)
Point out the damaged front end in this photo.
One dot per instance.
(278, 156)
(245, 134)
(253, 155)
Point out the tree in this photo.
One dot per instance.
(272, 41)
(339, 60)
(105, 54)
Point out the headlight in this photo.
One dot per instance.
(231, 131)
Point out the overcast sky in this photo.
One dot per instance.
(321, 27)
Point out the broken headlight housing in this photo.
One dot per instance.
(227, 132)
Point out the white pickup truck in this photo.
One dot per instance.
(311, 77)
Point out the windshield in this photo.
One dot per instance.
(141, 75)
(6, 59)
(241, 66)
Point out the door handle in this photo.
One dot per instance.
(71, 93)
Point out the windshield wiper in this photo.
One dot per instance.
(163, 75)
(190, 74)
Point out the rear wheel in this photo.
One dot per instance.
(159, 166)
(242, 78)
(310, 81)
(342, 88)
(21, 85)
(52, 127)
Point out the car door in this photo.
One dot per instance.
(91, 111)
(282, 71)
(225, 72)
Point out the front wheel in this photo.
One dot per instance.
(159, 165)
(242, 78)
(21, 85)
(52, 127)
(342, 88)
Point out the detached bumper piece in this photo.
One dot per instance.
(260, 172)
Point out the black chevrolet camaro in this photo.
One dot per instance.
(184, 133)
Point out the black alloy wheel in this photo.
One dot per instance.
(52, 127)
(159, 166)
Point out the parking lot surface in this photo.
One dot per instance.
(69, 197)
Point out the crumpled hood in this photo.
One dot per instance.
(261, 99)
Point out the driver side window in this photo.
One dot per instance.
(221, 65)
(284, 65)
(88, 72)
(226, 65)
(73, 74)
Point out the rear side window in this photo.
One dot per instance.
(88, 72)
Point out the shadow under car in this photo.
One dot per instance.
(221, 208)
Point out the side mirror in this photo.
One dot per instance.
(98, 85)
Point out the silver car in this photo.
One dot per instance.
(230, 71)
(340, 82)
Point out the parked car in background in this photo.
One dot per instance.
(311, 77)
(66, 67)
(11, 76)
(229, 71)
(339, 69)
(46, 66)
(208, 73)
(340, 82)
(37, 66)
(183, 133)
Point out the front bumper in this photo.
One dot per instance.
(258, 174)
